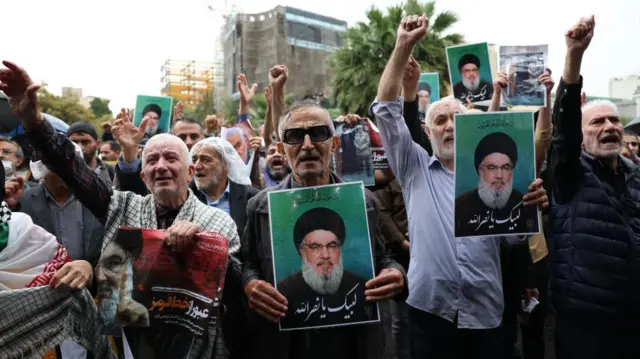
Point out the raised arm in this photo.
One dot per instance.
(269, 130)
(58, 153)
(543, 126)
(411, 110)
(567, 114)
(402, 152)
(277, 78)
(499, 83)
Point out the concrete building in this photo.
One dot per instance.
(301, 40)
(624, 87)
(77, 94)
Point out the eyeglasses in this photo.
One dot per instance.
(494, 169)
(317, 248)
(295, 136)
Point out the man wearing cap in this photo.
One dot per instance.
(85, 135)
(495, 159)
(471, 87)
(318, 235)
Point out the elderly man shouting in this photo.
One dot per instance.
(308, 141)
(166, 171)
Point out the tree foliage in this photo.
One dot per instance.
(66, 108)
(357, 66)
(100, 108)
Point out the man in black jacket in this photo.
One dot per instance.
(596, 221)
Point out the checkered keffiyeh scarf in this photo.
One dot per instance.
(34, 318)
(131, 210)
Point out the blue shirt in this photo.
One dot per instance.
(222, 202)
(446, 275)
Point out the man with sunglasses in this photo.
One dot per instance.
(308, 142)
(456, 299)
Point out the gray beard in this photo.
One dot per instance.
(107, 310)
(423, 108)
(152, 130)
(494, 199)
(469, 86)
(277, 175)
(205, 186)
(321, 284)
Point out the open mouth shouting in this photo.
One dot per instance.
(309, 159)
(610, 140)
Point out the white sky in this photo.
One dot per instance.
(114, 49)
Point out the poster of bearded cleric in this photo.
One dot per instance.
(494, 167)
(523, 66)
(169, 297)
(158, 108)
(470, 72)
(322, 255)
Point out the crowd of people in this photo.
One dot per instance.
(66, 194)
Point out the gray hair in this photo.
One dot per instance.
(449, 100)
(166, 138)
(19, 152)
(299, 106)
(597, 103)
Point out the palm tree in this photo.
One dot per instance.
(358, 65)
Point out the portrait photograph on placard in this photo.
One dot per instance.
(322, 255)
(494, 166)
(470, 72)
(353, 161)
(428, 90)
(523, 66)
(158, 109)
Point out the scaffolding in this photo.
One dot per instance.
(188, 81)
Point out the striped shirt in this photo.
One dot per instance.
(67, 223)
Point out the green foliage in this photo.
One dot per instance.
(100, 108)
(68, 109)
(357, 67)
(625, 120)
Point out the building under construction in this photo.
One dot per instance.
(188, 81)
(301, 40)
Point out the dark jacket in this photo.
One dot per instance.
(394, 223)
(359, 342)
(596, 223)
(34, 203)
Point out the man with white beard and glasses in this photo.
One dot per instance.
(495, 161)
(455, 288)
(471, 87)
(595, 219)
(309, 141)
(318, 235)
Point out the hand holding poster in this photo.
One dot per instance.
(523, 66)
(158, 109)
(494, 166)
(470, 72)
(141, 283)
(322, 255)
(354, 160)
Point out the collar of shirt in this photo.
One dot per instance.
(295, 184)
(223, 197)
(49, 196)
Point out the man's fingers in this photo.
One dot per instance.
(534, 194)
(269, 303)
(32, 91)
(144, 123)
(266, 315)
(381, 291)
(537, 183)
(273, 293)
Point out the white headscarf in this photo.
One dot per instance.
(39, 170)
(236, 169)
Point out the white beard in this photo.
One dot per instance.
(321, 284)
(206, 183)
(423, 108)
(471, 86)
(107, 309)
(152, 130)
(492, 198)
(440, 150)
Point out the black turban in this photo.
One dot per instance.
(152, 107)
(130, 239)
(318, 219)
(468, 59)
(496, 142)
(423, 86)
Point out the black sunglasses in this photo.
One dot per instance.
(295, 136)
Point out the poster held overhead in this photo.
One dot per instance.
(158, 108)
(470, 72)
(523, 66)
(322, 255)
(494, 166)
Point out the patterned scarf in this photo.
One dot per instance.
(5, 217)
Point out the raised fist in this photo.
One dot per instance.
(579, 36)
(412, 29)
